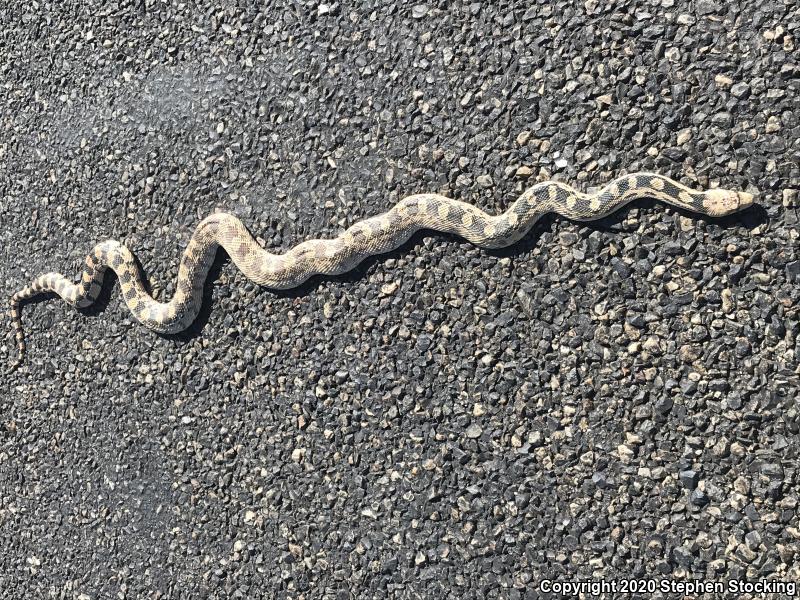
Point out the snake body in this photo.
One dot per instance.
(375, 235)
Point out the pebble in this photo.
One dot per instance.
(707, 7)
(793, 270)
(689, 479)
(740, 90)
(523, 137)
(524, 171)
(699, 497)
(722, 119)
(474, 432)
(727, 301)
(418, 11)
(485, 181)
(773, 124)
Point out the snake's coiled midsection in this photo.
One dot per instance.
(374, 235)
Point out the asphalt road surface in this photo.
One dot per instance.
(609, 400)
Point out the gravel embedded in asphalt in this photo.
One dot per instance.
(615, 399)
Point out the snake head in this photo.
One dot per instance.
(719, 202)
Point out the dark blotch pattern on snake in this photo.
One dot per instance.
(375, 235)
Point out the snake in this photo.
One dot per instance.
(371, 236)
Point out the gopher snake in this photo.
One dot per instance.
(371, 236)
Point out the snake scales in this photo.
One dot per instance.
(374, 235)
